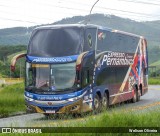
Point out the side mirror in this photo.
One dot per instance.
(14, 60)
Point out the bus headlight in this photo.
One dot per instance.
(74, 108)
(72, 99)
(29, 99)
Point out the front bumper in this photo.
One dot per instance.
(74, 107)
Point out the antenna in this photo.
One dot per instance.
(88, 20)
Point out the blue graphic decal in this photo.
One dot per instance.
(52, 59)
(53, 97)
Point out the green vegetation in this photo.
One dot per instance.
(5, 51)
(154, 71)
(154, 55)
(154, 81)
(113, 117)
(123, 119)
(6, 54)
(15, 36)
(108, 119)
(11, 99)
(157, 63)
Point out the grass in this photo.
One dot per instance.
(114, 117)
(154, 81)
(111, 118)
(124, 119)
(11, 99)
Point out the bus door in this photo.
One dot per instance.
(89, 58)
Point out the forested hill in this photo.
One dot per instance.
(15, 36)
(151, 30)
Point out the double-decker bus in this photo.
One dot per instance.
(79, 68)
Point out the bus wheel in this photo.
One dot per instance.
(97, 104)
(139, 95)
(105, 101)
(135, 97)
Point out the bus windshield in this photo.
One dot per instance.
(63, 75)
(65, 41)
(50, 77)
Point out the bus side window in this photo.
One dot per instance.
(30, 76)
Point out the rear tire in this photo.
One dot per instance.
(136, 96)
(105, 102)
(139, 95)
(134, 99)
(97, 104)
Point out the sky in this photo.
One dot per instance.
(27, 13)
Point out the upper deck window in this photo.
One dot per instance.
(112, 41)
(56, 42)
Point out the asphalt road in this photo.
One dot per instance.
(149, 101)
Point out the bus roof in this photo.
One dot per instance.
(88, 26)
(66, 25)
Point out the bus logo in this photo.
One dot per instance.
(49, 103)
(118, 59)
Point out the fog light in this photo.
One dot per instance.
(75, 108)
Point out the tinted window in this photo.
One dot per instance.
(111, 75)
(56, 42)
(112, 41)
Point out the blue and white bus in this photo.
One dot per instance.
(79, 68)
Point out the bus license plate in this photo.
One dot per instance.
(50, 111)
